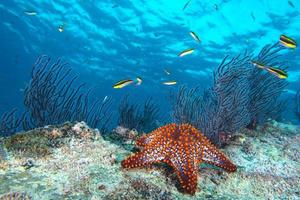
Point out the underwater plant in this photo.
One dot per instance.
(52, 97)
(10, 123)
(242, 95)
(133, 116)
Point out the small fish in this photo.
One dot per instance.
(30, 13)
(167, 72)
(277, 72)
(291, 4)
(253, 17)
(186, 4)
(115, 6)
(139, 81)
(186, 52)
(287, 42)
(122, 83)
(105, 98)
(194, 35)
(170, 83)
(216, 7)
(61, 28)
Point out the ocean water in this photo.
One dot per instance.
(109, 41)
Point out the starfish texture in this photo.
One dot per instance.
(183, 148)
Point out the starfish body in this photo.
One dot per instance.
(183, 148)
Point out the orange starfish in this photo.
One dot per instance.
(182, 147)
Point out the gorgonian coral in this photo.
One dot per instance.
(133, 116)
(10, 123)
(241, 95)
(52, 97)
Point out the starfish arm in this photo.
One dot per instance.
(187, 174)
(212, 155)
(141, 159)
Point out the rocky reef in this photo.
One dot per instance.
(73, 161)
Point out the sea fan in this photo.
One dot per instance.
(241, 95)
(133, 116)
(52, 97)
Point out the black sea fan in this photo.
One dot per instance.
(53, 97)
(241, 95)
(134, 116)
(10, 123)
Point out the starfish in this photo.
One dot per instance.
(183, 148)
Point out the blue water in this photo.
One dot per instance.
(107, 41)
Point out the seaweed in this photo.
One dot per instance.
(133, 116)
(241, 95)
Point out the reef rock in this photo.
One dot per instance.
(73, 161)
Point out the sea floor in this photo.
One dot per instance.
(72, 161)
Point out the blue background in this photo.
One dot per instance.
(107, 41)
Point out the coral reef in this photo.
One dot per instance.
(85, 166)
(40, 142)
(123, 137)
(241, 95)
(132, 116)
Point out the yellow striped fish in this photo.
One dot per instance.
(277, 72)
(122, 83)
(186, 52)
(287, 42)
